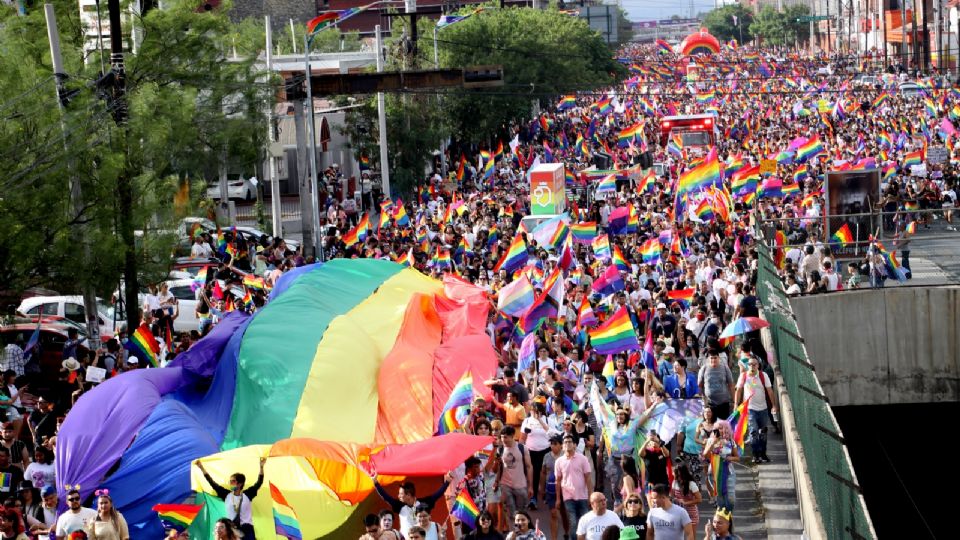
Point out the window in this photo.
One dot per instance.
(74, 312)
(49, 308)
(182, 293)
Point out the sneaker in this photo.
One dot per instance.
(757, 460)
(765, 458)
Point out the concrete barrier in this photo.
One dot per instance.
(884, 346)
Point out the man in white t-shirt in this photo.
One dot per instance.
(668, 521)
(753, 384)
(75, 518)
(594, 522)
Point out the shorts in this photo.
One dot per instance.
(550, 499)
(13, 414)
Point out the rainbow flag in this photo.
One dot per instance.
(913, 158)
(619, 260)
(247, 301)
(607, 185)
(615, 335)
(143, 345)
(663, 47)
(650, 250)
(629, 135)
(880, 100)
(843, 236)
(790, 189)
(647, 354)
(884, 141)
(682, 296)
(720, 474)
(568, 102)
(253, 282)
(351, 237)
(400, 215)
(601, 247)
(809, 149)
(179, 515)
(457, 407)
(200, 279)
(704, 211)
(911, 228)
(515, 298)
(584, 232)
(284, 518)
(515, 257)
(608, 282)
(648, 183)
(739, 421)
(706, 97)
(604, 106)
(702, 176)
(441, 258)
(460, 166)
(364, 162)
(465, 509)
(585, 316)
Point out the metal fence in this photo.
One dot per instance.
(839, 499)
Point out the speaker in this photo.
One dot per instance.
(602, 160)
(646, 160)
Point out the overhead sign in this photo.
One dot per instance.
(768, 166)
(812, 18)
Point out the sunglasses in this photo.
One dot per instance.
(633, 501)
(73, 499)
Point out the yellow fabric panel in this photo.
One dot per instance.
(340, 399)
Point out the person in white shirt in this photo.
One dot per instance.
(200, 249)
(594, 522)
(75, 518)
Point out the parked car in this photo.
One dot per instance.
(238, 187)
(68, 307)
(53, 334)
(909, 89)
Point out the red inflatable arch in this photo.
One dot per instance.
(700, 43)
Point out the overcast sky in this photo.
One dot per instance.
(645, 10)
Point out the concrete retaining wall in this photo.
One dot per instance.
(894, 345)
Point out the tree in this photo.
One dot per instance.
(544, 53)
(720, 23)
(190, 100)
(777, 28)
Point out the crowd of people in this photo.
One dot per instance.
(569, 424)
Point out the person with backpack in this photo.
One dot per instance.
(515, 472)
(238, 498)
(754, 385)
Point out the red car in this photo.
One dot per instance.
(53, 334)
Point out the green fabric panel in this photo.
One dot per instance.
(213, 509)
(280, 344)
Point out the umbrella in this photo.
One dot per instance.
(743, 325)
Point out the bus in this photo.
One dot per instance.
(697, 131)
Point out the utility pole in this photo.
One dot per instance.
(76, 195)
(925, 51)
(295, 94)
(381, 122)
(314, 173)
(124, 185)
(903, 33)
(913, 31)
(277, 219)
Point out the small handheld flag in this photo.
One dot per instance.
(284, 518)
(179, 515)
(465, 509)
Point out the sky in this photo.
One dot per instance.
(645, 10)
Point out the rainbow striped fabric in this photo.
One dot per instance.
(465, 509)
(143, 345)
(739, 421)
(615, 335)
(809, 149)
(585, 316)
(608, 282)
(516, 298)
(568, 102)
(619, 260)
(584, 232)
(650, 251)
(284, 518)
(702, 176)
(607, 185)
(913, 159)
(515, 257)
(179, 515)
(843, 236)
(601, 247)
(457, 406)
(683, 296)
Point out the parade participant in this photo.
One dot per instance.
(238, 498)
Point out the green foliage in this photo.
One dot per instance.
(189, 100)
(720, 23)
(543, 53)
(776, 28)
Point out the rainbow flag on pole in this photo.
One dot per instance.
(608, 282)
(738, 422)
(702, 176)
(465, 509)
(457, 406)
(515, 257)
(682, 296)
(843, 236)
(584, 232)
(143, 345)
(516, 298)
(809, 149)
(615, 335)
(284, 518)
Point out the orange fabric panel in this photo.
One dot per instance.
(452, 359)
(405, 381)
(463, 308)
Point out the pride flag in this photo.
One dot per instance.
(284, 518)
(809, 149)
(516, 298)
(179, 515)
(630, 134)
(702, 176)
(615, 335)
(584, 232)
(619, 260)
(568, 102)
(465, 509)
(648, 355)
(457, 406)
(663, 47)
(913, 158)
(683, 296)
(143, 345)
(601, 247)
(200, 280)
(585, 316)
(607, 185)
(843, 236)
(738, 422)
(650, 250)
(515, 257)
(608, 282)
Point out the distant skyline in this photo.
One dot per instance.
(645, 10)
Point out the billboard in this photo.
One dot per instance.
(852, 198)
(547, 194)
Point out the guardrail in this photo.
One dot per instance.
(839, 501)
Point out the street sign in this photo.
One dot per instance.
(937, 154)
(768, 166)
(812, 18)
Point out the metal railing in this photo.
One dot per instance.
(839, 499)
